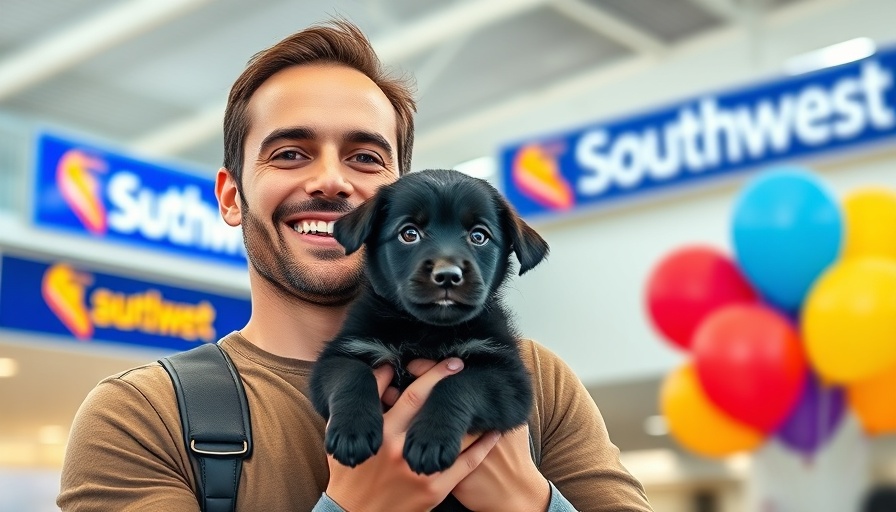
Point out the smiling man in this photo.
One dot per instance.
(307, 163)
(313, 126)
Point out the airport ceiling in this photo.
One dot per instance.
(154, 74)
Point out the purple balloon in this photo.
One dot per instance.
(814, 418)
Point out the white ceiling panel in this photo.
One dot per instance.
(520, 54)
(25, 21)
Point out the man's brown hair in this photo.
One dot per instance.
(335, 42)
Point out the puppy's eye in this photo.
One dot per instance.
(409, 235)
(479, 236)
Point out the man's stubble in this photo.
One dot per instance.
(274, 262)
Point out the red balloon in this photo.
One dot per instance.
(751, 364)
(687, 285)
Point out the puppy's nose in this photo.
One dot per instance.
(447, 274)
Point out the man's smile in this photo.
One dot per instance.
(314, 227)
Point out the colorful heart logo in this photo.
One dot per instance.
(63, 290)
(536, 174)
(76, 179)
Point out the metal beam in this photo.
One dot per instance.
(723, 9)
(78, 42)
(446, 25)
(449, 23)
(612, 27)
(183, 134)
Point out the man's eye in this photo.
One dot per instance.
(479, 237)
(409, 234)
(367, 158)
(287, 155)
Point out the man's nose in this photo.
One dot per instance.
(330, 178)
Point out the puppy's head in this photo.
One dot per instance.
(438, 243)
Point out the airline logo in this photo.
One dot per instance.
(77, 179)
(63, 290)
(709, 136)
(103, 194)
(58, 298)
(536, 173)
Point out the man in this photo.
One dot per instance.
(313, 126)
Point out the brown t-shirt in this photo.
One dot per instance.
(126, 450)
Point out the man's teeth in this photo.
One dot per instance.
(316, 227)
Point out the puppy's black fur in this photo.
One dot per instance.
(438, 248)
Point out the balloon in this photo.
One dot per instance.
(699, 425)
(751, 364)
(870, 216)
(872, 400)
(849, 320)
(815, 418)
(786, 229)
(687, 285)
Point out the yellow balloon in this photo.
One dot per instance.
(870, 216)
(849, 320)
(698, 424)
(874, 402)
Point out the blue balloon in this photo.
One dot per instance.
(787, 228)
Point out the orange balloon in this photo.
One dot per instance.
(874, 402)
(697, 423)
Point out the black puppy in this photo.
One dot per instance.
(438, 246)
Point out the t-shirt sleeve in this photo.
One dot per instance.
(122, 452)
(577, 455)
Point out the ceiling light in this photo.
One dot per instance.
(8, 367)
(829, 56)
(483, 167)
(51, 434)
(656, 426)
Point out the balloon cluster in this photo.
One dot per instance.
(799, 326)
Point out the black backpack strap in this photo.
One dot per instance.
(214, 414)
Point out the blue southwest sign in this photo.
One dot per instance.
(59, 298)
(104, 194)
(704, 137)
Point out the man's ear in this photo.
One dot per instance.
(355, 227)
(228, 197)
(529, 246)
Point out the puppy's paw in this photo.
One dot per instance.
(429, 449)
(353, 439)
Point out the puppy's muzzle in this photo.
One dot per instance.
(446, 274)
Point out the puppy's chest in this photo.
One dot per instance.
(376, 351)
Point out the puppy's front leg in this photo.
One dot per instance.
(433, 439)
(479, 399)
(344, 390)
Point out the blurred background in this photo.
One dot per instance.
(716, 178)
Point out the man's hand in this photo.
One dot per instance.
(384, 481)
(507, 479)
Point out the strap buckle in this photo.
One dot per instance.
(219, 454)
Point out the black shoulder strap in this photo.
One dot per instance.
(214, 414)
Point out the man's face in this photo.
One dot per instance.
(321, 140)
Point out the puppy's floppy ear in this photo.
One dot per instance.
(355, 227)
(529, 246)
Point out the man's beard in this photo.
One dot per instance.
(275, 263)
